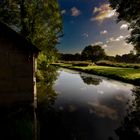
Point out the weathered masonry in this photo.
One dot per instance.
(17, 67)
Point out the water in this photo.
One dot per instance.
(89, 107)
(17, 122)
(75, 106)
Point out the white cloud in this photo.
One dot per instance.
(112, 39)
(103, 32)
(119, 38)
(63, 12)
(125, 44)
(75, 12)
(117, 45)
(124, 26)
(85, 35)
(103, 12)
(105, 46)
(97, 43)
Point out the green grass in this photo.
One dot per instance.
(130, 75)
(103, 63)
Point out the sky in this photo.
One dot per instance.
(92, 22)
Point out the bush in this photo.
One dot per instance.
(80, 64)
(114, 64)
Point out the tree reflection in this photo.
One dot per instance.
(45, 81)
(90, 80)
(54, 123)
(17, 122)
(130, 126)
(46, 99)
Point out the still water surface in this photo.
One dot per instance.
(89, 107)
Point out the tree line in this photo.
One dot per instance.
(96, 53)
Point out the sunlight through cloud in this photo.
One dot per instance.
(103, 12)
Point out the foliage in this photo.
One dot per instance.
(128, 58)
(45, 80)
(39, 21)
(70, 57)
(93, 53)
(78, 58)
(128, 10)
(46, 97)
(116, 64)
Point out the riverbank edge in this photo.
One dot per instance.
(95, 72)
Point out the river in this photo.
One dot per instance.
(79, 106)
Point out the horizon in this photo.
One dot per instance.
(92, 22)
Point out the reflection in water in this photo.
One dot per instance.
(79, 110)
(90, 80)
(103, 110)
(17, 123)
(45, 91)
(46, 99)
(130, 126)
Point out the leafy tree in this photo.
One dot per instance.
(39, 21)
(93, 53)
(128, 10)
(128, 58)
(70, 57)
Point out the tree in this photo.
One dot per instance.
(128, 10)
(39, 21)
(93, 53)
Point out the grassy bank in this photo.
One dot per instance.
(129, 75)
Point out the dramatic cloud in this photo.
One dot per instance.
(103, 32)
(117, 45)
(124, 26)
(63, 12)
(75, 12)
(85, 35)
(103, 12)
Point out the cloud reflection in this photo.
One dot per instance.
(102, 110)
